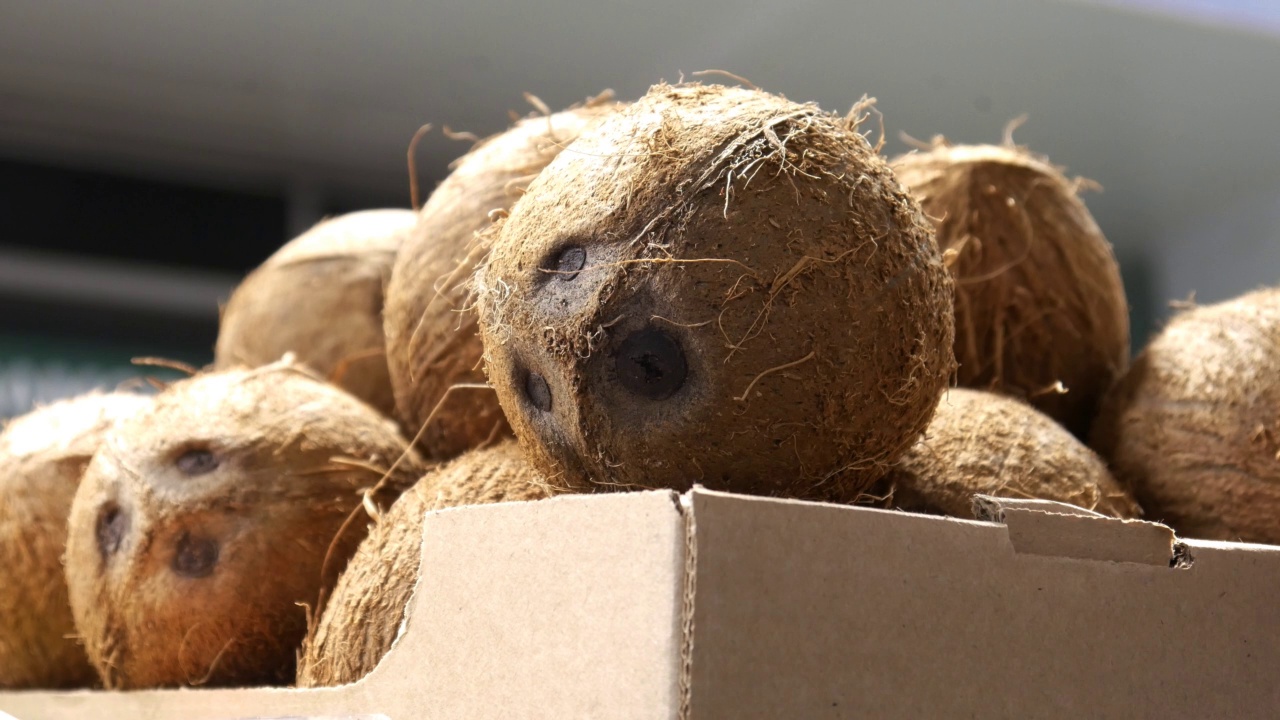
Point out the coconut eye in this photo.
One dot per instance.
(194, 557)
(651, 364)
(109, 529)
(566, 264)
(537, 391)
(196, 461)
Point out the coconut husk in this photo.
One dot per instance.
(42, 457)
(208, 524)
(320, 297)
(716, 285)
(366, 612)
(981, 442)
(432, 339)
(1193, 427)
(1040, 309)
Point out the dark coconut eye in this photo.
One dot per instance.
(197, 461)
(537, 391)
(110, 529)
(651, 364)
(568, 263)
(195, 557)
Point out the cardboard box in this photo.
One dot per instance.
(708, 605)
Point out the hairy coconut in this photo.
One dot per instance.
(717, 285)
(432, 340)
(980, 442)
(363, 617)
(1038, 294)
(207, 522)
(42, 457)
(320, 297)
(1194, 426)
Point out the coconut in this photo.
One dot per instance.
(42, 457)
(208, 522)
(363, 617)
(1194, 426)
(320, 297)
(717, 285)
(432, 340)
(980, 442)
(1040, 310)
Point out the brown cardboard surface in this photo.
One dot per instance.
(556, 609)
(806, 611)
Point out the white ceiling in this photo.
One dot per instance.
(1178, 121)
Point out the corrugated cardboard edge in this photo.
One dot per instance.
(687, 605)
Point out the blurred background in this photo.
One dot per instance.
(151, 153)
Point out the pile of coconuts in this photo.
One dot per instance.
(710, 285)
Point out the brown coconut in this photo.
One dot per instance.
(320, 297)
(980, 442)
(363, 617)
(208, 522)
(1038, 294)
(433, 343)
(1194, 427)
(42, 457)
(717, 285)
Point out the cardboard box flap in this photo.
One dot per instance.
(562, 608)
(568, 607)
(1042, 527)
(822, 611)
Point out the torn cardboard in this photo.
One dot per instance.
(709, 605)
(1041, 527)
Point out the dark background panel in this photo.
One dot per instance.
(59, 209)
